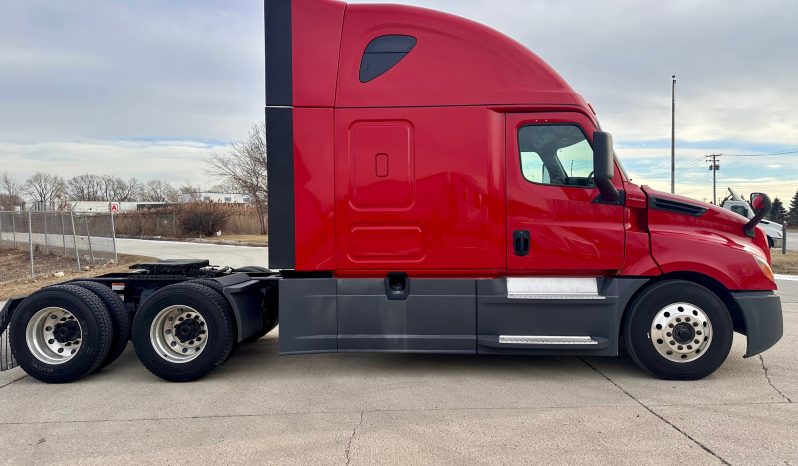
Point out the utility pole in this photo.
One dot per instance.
(673, 134)
(714, 166)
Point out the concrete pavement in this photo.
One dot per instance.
(391, 409)
(218, 254)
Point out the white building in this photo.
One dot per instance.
(105, 206)
(223, 198)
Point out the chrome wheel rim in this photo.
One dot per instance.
(681, 332)
(53, 335)
(179, 334)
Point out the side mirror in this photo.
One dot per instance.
(761, 204)
(757, 201)
(604, 165)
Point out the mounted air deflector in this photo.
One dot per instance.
(382, 54)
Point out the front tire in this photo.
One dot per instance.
(183, 332)
(678, 330)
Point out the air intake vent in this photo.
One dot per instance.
(677, 207)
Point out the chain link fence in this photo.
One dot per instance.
(88, 238)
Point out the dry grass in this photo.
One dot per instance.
(15, 279)
(175, 221)
(786, 264)
(260, 239)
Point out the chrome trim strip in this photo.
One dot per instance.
(553, 288)
(546, 340)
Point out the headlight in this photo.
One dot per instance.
(766, 269)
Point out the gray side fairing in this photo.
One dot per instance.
(442, 316)
(599, 319)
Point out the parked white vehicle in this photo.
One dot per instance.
(738, 205)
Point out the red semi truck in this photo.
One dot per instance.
(434, 187)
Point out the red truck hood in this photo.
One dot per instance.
(692, 235)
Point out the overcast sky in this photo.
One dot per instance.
(150, 88)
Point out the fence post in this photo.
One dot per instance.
(88, 235)
(30, 242)
(14, 228)
(113, 237)
(784, 238)
(63, 233)
(1, 228)
(46, 240)
(74, 239)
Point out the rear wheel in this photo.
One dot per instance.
(120, 318)
(183, 332)
(678, 330)
(218, 288)
(61, 334)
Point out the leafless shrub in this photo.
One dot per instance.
(203, 218)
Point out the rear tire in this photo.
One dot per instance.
(183, 332)
(219, 288)
(119, 317)
(50, 324)
(678, 330)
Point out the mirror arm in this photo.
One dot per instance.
(608, 190)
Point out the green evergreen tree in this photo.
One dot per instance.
(777, 212)
(792, 217)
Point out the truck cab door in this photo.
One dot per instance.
(557, 223)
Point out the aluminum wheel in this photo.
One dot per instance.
(681, 332)
(53, 335)
(179, 334)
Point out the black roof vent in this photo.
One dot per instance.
(383, 53)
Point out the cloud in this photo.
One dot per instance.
(173, 161)
(87, 82)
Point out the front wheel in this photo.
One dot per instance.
(678, 330)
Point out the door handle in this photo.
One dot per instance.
(521, 242)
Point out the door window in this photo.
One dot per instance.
(556, 155)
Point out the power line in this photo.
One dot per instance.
(784, 152)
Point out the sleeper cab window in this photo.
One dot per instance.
(556, 155)
(382, 54)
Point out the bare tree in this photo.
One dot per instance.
(12, 191)
(84, 188)
(115, 189)
(44, 188)
(244, 167)
(158, 191)
(194, 192)
(10, 185)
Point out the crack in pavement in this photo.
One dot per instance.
(397, 410)
(770, 382)
(15, 380)
(352, 437)
(660, 417)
